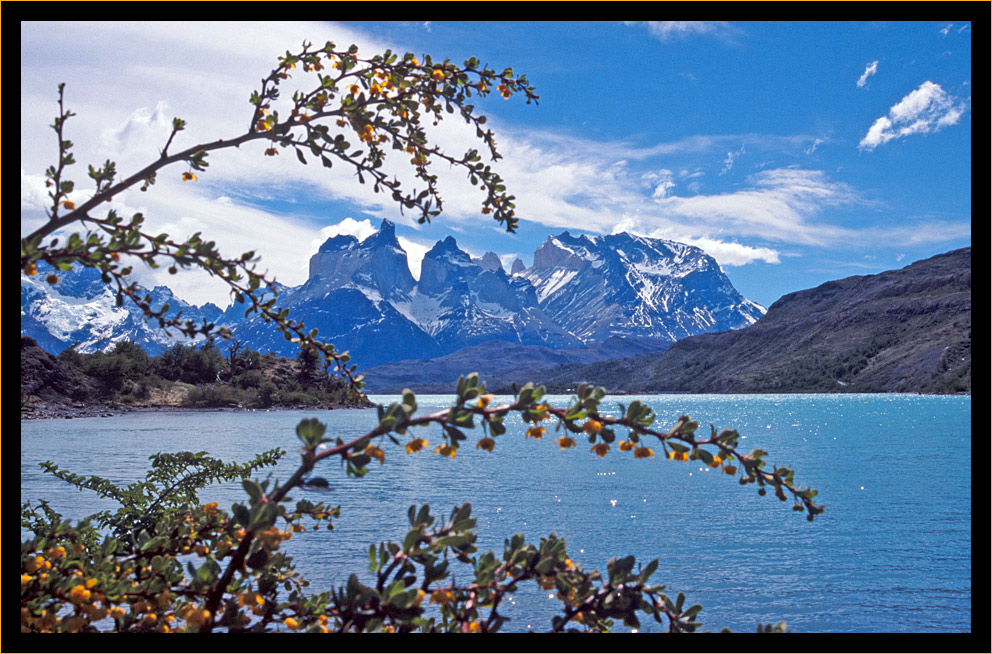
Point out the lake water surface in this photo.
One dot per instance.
(892, 553)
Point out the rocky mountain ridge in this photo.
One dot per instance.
(361, 296)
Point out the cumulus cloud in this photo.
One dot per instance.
(870, 70)
(927, 109)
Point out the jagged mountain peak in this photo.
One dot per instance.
(581, 289)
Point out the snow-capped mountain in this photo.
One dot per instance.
(81, 310)
(361, 297)
(625, 285)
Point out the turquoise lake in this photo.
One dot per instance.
(892, 553)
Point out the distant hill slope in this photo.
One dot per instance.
(906, 330)
(499, 364)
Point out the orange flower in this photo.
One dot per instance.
(190, 176)
(626, 446)
(565, 442)
(592, 427)
(536, 432)
(601, 449)
(376, 453)
(445, 450)
(415, 445)
(271, 152)
(643, 453)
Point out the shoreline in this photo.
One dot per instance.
(59, 411)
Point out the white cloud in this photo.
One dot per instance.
(728, 163)
(662, 181)
(734, 254)
(870, 70)
(360, 229)
(927, 109)
(815, 144)
(414, 254)
(666, 30)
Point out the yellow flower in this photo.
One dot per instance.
(26, 578)
(445, 450)
(292, 623)
(565, 442)
(421, 594)
(190, 176)
(69, 205)
(678, 456)
(415, 445)
(626, 446)
(210, 509)
(536, 432)
(601, 449)
(376, 453)
(354, 89)
(473, 626)
(116, 612)
(592, 427)
(414, 61)
(438, 74)
(486, 443)
(717, 462)
(484, 401)
(78, 595)
(643, 453)
(30, 269)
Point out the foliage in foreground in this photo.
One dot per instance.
(169, 564)
(164, 562)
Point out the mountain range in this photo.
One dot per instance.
(360, 295)
(632, 313)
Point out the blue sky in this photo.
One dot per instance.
(794, 153)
